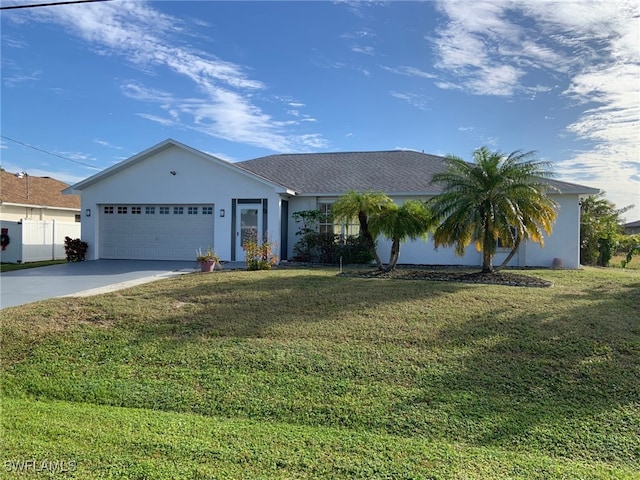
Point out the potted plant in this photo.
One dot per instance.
(207, 259)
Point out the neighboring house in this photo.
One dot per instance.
(171, 199)
(35, 217)
(25, 197)
(632, 228)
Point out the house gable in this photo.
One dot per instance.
(174, 167)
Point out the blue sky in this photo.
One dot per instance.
(93, 84)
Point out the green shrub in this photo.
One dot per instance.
(75, 249)
(259, 256)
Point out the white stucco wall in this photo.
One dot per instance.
(197, 181)
(563, 243)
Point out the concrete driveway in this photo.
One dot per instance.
(87, 278)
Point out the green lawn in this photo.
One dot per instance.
(303, 374)
(9, 267)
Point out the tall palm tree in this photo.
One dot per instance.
(361, 206)
(497, 198)
(410, 221)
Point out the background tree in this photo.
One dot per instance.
(410, 221)
(362, 206)
(600, 227)
(496, 198)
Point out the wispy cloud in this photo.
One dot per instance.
(366, 50)
(12, 42)
(485, 48)
(18, 78)
(222, 105)
(104, 143)
(412, 99)
(409, 71)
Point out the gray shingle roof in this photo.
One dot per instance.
(393, 172)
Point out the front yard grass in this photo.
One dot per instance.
(9, 267)
(302, 374)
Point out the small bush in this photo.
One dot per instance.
(75, 249)
(259, 256)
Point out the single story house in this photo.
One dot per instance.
(171, 199)
(35, 217)
(25, 197)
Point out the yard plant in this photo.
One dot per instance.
(497, 199)
(299, 373)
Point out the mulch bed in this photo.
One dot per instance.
(507, 278)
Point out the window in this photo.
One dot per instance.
(192, 210)
(178, 210)
(122, 210)
(108, 210)
(136, 210)
(207, 210)
(164, 210)
(150, 210)
(327, 225)
(77, 218)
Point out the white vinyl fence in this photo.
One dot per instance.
(35, 241)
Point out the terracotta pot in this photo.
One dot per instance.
(208, 265)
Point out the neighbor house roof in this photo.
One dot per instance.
(635, 224)
(23, 189)
(393, 172)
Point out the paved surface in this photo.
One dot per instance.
(88, 278)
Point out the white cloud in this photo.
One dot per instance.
(222, 103)
(485, 48)
(409, 71)
(104, 143)
(412, 99)
(363, 50)
(19, 78)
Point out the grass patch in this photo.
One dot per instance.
(634, 264)
(9, 267)
(300, 373)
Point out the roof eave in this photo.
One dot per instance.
(44, 207)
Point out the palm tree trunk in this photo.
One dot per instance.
(487, 266)
(487, 252)
(395, 255)
(368, 239)
(510, 256)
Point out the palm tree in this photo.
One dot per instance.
(497, 198)
(410, 221)
(355, 205)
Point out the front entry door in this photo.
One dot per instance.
(248, 226)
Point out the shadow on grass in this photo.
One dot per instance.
(441, 360)
(250, 306)
(565, 382)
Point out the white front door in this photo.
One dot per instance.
(248, 226)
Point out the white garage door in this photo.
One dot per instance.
(155, 232)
